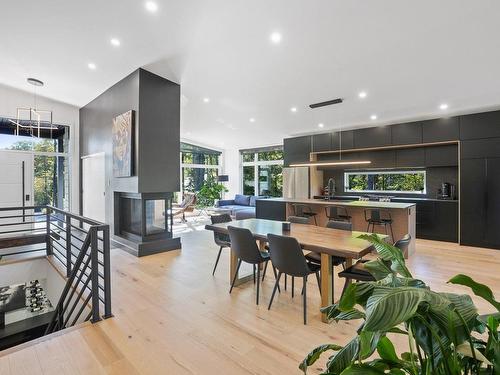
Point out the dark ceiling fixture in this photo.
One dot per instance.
(324, 104)
(332, 163)
(35, 82)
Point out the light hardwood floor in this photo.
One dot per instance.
(173, 317)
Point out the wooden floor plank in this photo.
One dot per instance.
(173, 317)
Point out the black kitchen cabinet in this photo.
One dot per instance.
(270, 210)
(322, 142)
(380, 159)
(372, 137)
(492, 233)
(480, 148)
(440, 130)
(441, 156)
(347, 140)
(406, 134)
(480, 207)
(410, 157)
(480, 125)
(436, 220)
(296, 150)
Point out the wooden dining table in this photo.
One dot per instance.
(325, 241)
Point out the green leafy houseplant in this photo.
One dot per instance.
(209, 192)
(445, 334)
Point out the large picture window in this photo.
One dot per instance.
(198, 164)
(262, 172)
(51, 161)
(411, 182)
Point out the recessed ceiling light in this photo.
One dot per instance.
(293, 109)
(362, 94)
(115, 42)
(443, 106)
(275, 37)
(373, 117)
(252, 119)
(206, 100)
(321, 125)
(92, 66)
(151, 6)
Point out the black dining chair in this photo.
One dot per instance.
(244, 246)
(288, 258)
(336, 261)
(337, 213)
(376, 216)
(296, 220)
(304, 210)
(221, 239)
(358, 272)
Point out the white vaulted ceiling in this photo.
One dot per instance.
(408, 56)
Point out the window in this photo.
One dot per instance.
(198, 164)
(411, 182)
(51, 161)
(262, 172)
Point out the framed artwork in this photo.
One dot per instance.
(123, 128)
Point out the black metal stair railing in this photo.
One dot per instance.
(81, 246)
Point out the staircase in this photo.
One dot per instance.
(77, 245)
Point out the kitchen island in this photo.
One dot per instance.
(403, 214)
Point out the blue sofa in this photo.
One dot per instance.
(242, 206)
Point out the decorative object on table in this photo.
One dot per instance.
(36, 298)
(442, 329)
(123, 128)
(286, 225)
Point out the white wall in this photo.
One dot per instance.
(64, 114)
(233, 169)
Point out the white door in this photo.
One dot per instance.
(94, 187)
(16, 188)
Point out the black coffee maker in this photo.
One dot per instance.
(447, 191)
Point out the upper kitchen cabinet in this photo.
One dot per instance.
(372, 137)
(441, 156)
(322, 142)
(347, 140)
(410, 157)
(296, 150)
(440, 130)
(407, 134)
(480, 125)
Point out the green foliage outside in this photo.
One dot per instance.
(444, 333)
(45, 170)
(387, 182)
(209, 192)
(270, 177)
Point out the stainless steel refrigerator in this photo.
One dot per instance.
(296, 183)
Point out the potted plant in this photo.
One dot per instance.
(445, 334)
(209, 192)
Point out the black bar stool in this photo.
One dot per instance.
(376, 216)
(337, 213)
(303, 210)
